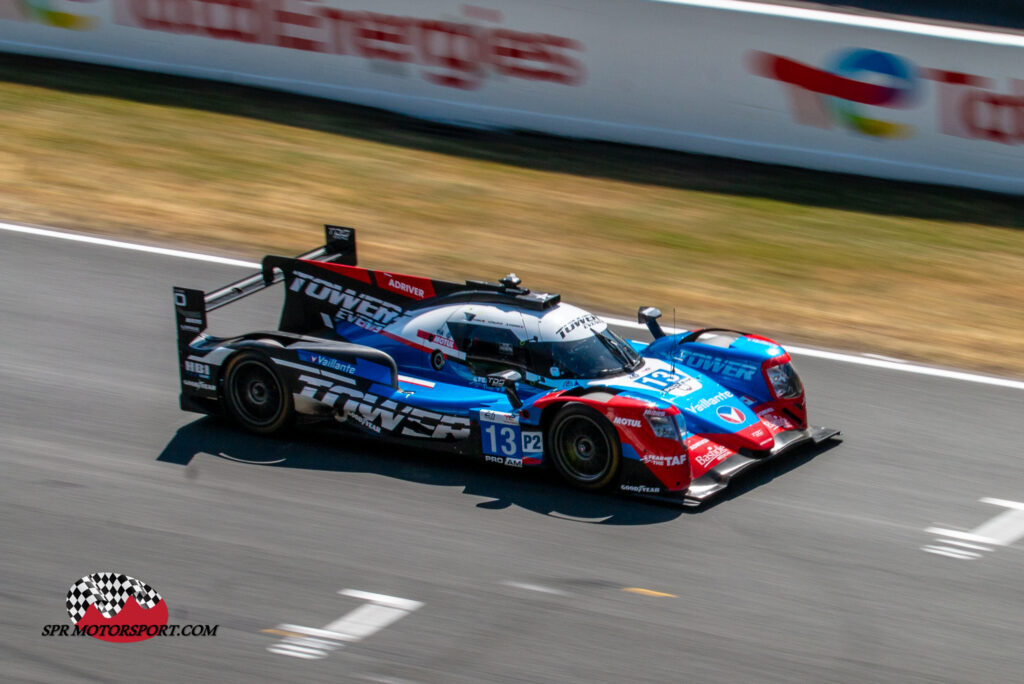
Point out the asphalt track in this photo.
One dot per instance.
(811, 570)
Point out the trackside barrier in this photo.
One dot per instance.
(760, 82)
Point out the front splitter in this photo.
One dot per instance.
(715, 480)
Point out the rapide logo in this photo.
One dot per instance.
(773, 419)
(861, 89)
(452, 54)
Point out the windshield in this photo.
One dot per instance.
(599, 355)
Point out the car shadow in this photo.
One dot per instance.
(536, 490)
(761, 475)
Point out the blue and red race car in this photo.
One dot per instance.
(496, 371)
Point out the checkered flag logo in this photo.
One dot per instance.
(108, 591)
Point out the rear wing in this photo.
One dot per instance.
(192, 306)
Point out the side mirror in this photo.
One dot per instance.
(648, 315)
(507, 379)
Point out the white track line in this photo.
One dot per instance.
(951, 552)
(77, 237)
(533, 587)
(900, 366)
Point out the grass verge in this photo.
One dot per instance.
(920, 272)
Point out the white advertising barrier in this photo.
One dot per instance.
(772, 84)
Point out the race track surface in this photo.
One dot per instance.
(812, 570)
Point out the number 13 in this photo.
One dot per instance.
(507, 437)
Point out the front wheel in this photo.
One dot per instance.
(255, 395)
(584, 447)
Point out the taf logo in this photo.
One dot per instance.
(730, 414)
(118, 608)
(854, 82)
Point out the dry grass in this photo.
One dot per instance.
(919, 272)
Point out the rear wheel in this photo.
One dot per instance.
(255, 395)
(584, 447)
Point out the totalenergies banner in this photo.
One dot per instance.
(766, 83)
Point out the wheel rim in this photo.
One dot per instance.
(583, 449)
(256, 393)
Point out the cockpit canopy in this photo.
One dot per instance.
(599, 353)
(564, 342)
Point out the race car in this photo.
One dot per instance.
(497, 372)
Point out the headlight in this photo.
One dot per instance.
(681, 425)
(665, 425)
(785, 382)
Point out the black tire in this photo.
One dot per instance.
(255, 395)
(584, 447)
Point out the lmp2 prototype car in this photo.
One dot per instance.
(495, 371)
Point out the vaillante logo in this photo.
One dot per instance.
(730, 414)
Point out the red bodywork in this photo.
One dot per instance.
(675, 465)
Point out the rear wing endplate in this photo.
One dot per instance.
(192, 306)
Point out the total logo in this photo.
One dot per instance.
(730, 414)
(861, 90)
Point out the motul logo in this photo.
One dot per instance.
(629, 422)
